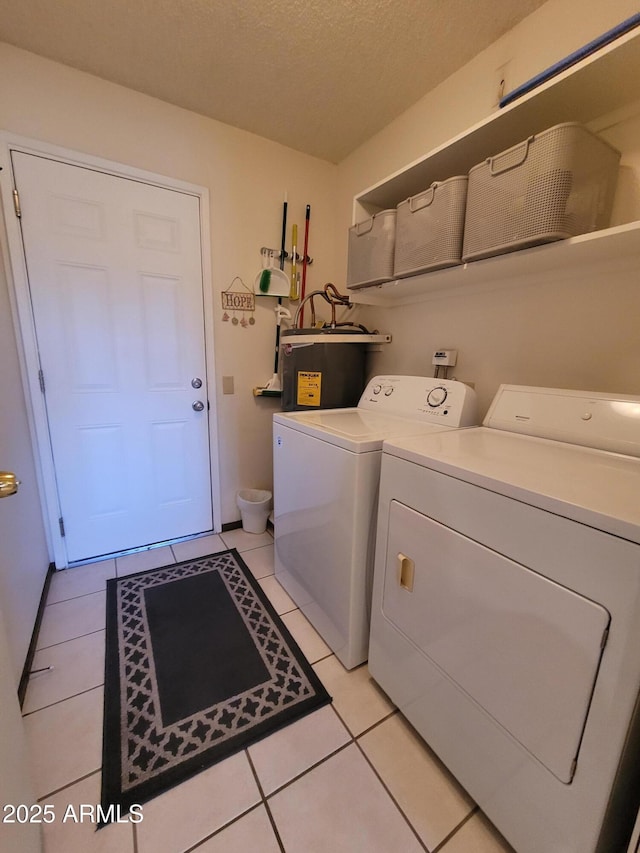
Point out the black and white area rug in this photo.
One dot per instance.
(198, 666)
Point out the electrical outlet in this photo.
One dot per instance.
(446, 357)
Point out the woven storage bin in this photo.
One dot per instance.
(556, 184)
(371, 246)
(429, 228)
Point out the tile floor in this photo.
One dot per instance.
(353, 776)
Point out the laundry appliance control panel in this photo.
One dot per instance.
(427, 399)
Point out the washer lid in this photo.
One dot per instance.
(355, 429)
(595, 487)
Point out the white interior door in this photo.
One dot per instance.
(115, 276)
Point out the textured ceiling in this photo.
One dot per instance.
(320, 76)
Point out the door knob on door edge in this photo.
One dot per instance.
(198, 406)
(8, 484)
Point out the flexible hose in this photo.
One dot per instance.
(332, 295)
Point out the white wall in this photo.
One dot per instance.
(247, 177)
(558, 331)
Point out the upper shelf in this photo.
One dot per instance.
(599, 252)
(598, 85)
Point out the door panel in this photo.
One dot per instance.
(524, 648)
(115, 278)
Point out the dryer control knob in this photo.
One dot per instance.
(388, 391)
(377, 389)
(436, 396)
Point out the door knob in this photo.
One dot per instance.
(196, 382)
(8, 484)
(198, 406)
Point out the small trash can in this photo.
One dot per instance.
(254, 506)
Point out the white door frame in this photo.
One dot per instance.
(15, 268)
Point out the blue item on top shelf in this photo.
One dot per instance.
(571, 59)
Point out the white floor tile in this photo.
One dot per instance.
(75, 836)
(292, 750)
(78, 665)
(193, 810)
(429, 796)
(260, 561)
(201, 547)
(243, 541)
(356, 696)
(340, 806)
(72, 618)
(253, 832)
(478, 835)
(280, 599)
(81, 580)
(312, 645)
(142, 561)
(65, 741)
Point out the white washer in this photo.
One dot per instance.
(326, 472)
(506, 611)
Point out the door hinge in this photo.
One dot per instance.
(605, 637)
(41, 380)
(16, 204)
(61, 523)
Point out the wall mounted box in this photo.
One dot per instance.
(322, 369)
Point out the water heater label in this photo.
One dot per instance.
(309, 384)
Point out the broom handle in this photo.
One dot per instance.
(284, 233)
(282, 249)
(307, 217)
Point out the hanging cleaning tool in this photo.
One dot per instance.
(272, 388)
(283, 238)
(294, 294)
(305, 258)
(264, 279)
(271, 281)
(274, 383)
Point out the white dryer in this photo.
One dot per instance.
(326, 473)
(506, 611)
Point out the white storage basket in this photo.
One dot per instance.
(429, 228)
(556, 184)
(371, 247)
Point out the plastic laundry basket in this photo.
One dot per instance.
(554, 185)
(429, 228)
(371, 248)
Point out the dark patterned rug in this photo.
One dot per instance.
(198, 666)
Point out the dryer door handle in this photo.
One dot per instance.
(406, 571)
